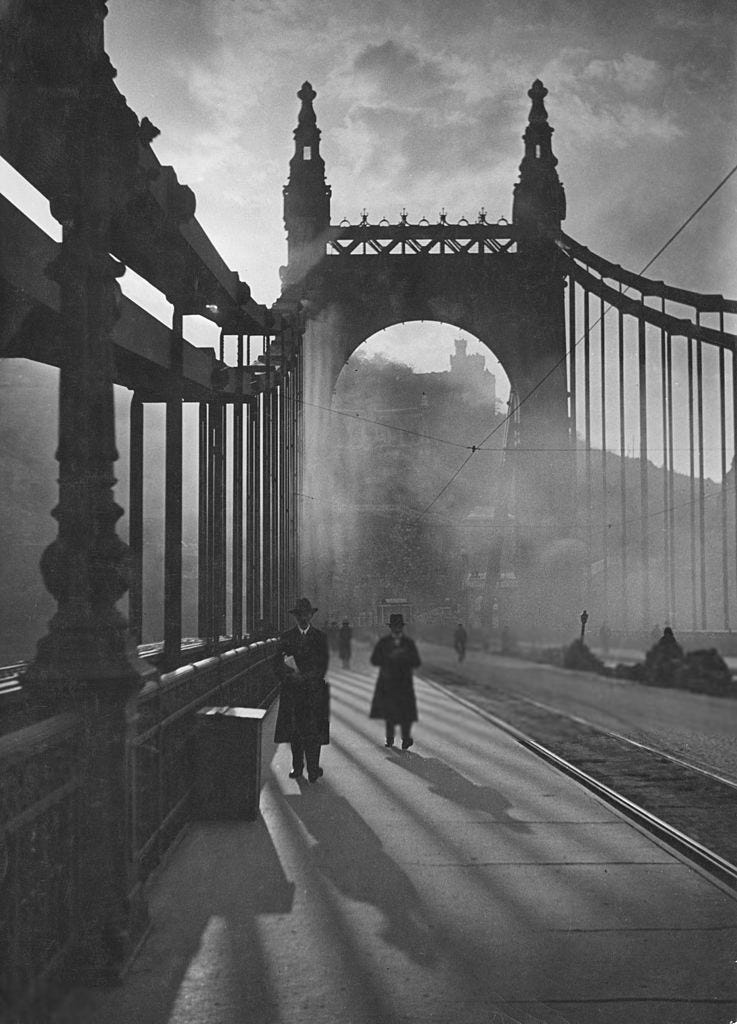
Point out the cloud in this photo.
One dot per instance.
(424, 127)
(630, 74)
(424, 102)
(618, 101)
(397, 70)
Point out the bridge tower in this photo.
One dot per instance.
(503, 283)
(306, 194)
(539, 198)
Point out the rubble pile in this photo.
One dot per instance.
(706, 672)
(579, 657)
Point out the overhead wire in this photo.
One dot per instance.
(569, 351)
(652, 514)
(473, 448)
(390, 426)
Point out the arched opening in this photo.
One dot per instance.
(413, 485)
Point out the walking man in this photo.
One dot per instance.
(394, 696)
(303, 720)
(344, 643)
(460, 638)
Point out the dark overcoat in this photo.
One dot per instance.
(304, 699)
(394, 694)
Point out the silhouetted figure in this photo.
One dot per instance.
(664, 659)
(460, 638)
(394, 695)
(604, 638)
(345, 633)
(303, 719)
(332, 632)
(507, 640)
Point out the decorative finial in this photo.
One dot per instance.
(307, 113)
(537, 94)
(539, 200)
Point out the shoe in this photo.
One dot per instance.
(406, 744)
(318, 775)
(389, 743)
(296, 775)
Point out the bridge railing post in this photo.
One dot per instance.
(87, 663)
(237, 504)
(135, 517)
(173, 497)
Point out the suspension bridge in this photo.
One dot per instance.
(620, 385)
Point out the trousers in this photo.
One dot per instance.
(406, 728)
(305, 750)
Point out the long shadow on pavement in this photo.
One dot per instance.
(450, 784)
(349, 854)
(201, 961)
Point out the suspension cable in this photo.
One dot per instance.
(569, 351)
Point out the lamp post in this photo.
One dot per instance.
(584, 620)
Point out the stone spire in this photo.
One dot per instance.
(539, 200)
(306, 194)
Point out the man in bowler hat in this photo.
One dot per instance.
(303, 719)
(394, 695)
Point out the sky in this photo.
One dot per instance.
(422, 104)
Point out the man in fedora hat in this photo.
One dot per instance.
(303, 719)
(394, 695)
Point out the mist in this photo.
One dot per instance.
(380, 448)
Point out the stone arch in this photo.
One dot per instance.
(513, 306)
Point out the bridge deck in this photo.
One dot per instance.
(464, 881)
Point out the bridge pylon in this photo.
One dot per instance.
(502, 283)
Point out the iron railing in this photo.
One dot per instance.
(40, 790)
(42, 794)
(422, 239)
(161, 756)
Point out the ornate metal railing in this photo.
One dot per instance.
(423, 238)
(40, 789)
(160, 758)
(42, 796)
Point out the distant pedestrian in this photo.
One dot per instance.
(668, 643)
(664, 659)
(460, 638)
(394, 695)
(303, 719)
(332, 632)
(345, 634)
(604, 638)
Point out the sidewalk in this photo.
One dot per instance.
(464, 881)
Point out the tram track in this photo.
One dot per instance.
(692, 766)
(654, 790)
